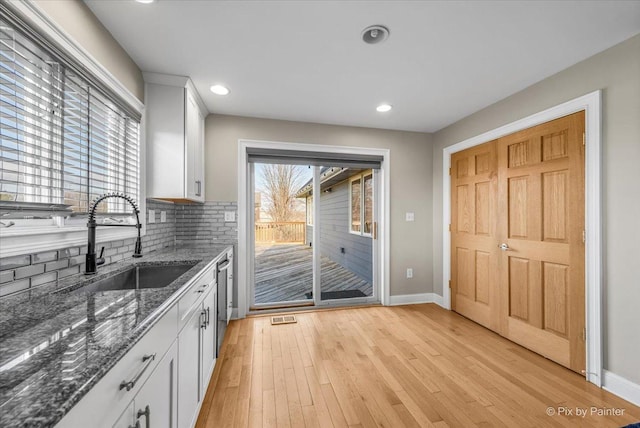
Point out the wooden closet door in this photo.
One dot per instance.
(540, 227)
(473, 234)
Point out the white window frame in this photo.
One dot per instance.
(350, 214)
(310, 197)
(361, 176)
(18, 240)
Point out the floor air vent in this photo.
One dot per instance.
(283, 319)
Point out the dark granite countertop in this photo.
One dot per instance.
(59, 340)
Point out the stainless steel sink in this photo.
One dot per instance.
(145, 276)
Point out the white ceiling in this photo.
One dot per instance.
(305, 60)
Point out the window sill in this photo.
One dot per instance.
(38, 239)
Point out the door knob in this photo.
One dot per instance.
(503, 247)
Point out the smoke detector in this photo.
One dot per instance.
(375, 34)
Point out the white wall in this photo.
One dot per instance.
(617, 72)
(411, 175)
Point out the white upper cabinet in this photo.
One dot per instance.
(174, 139)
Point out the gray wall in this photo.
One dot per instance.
(410, 170)
(617, 72)
(334, 234)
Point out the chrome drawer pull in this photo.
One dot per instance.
(203, 319)
(129, 385)
(147, 414)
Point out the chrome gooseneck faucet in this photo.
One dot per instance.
(92, 262)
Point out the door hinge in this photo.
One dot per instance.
(584, 236)
(584, 138)
(449, 227)
(584, 334)
(449, 171)
(449, 283)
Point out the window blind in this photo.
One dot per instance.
(63, 141)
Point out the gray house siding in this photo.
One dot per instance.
(334, 234)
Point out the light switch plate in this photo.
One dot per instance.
(409, 273)
(409, 217)
(229, 216)
(163, 216)
(152, 216)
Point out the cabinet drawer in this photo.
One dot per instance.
(195, 294)
(106, 401)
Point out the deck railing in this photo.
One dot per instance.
(284, 231)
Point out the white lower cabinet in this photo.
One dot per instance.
(196, 358)
(209, 342)
(161, 381)
(189, 396)
(154, 406)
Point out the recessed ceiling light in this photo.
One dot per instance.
(383, 108)
(375, 34)
(145, 1)
(219, 90)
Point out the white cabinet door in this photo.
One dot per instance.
(175, 138)
(209, 338)
(194, 148)
(229, 286)
(155, 404)
(189, 369)
(126, 419)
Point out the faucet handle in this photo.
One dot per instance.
(100, 260)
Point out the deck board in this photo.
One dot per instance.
(284, 272)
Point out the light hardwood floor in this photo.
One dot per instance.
(399, 366)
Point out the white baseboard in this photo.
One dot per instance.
(621, 387)
(412, 299)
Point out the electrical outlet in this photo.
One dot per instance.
(409, 273)
(409, 217)
(163, 216)
(152, 216)
(229, 216)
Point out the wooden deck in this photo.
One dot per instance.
(283, 273)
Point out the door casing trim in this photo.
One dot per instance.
(591, 103)
(244, 218)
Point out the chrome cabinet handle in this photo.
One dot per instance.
(208, 319)
(203, 319)
(147, 414)
(129, 385)
(199, 184)
(503, 247)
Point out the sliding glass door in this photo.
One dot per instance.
(314, 233)
(347, 234)
(283, 257)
